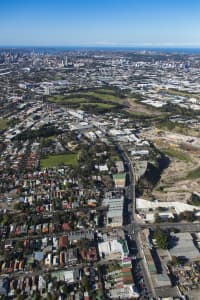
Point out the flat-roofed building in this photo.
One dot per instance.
(115, 249)
(184, 247)
(115, 211)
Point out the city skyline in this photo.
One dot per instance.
(100, 23)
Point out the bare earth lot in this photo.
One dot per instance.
(182, 177)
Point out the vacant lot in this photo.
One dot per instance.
(178, 128)
(178, 154)
(182, 177)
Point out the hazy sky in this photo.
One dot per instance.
(100, 22)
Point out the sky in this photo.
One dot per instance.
(129, 23)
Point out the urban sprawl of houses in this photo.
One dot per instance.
(87, 139)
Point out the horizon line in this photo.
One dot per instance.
(177, 46)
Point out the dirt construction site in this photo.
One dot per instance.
(182, 177)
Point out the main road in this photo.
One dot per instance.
(131, 227)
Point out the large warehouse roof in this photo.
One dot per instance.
(184, 246)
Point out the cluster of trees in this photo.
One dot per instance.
(178, 110)
(60, 288)
(162, 238)
(43, 132)
(25, 207)
(87, 159)
(187, 216)
(195, 199)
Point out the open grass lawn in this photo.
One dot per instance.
(115, 157)
(139, 114)
(3, 123)
(176, 154)
(104, 97)
(106, 91)
(58, 160)
(180, 93)
(66, 100)
(98, 105)
(74, 101)
(87, 97)
(56, 98)
(194, 174)
(87, 100)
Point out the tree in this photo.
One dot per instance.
(85, 283)
(195, 199)
(174, 261)
(65, 290)
(49, 296)
(36, 296)
(162, 238)
(187, 215)
(157, 218)
(18, 245)
(21, 297)
(5, 219)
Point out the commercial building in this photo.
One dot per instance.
(114, 216)
(115, 249)
(183, 246)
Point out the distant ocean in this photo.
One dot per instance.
(147, 49)
(51, 49)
